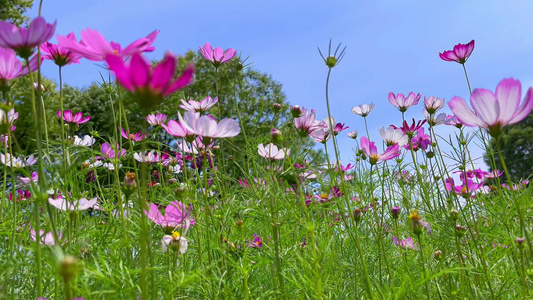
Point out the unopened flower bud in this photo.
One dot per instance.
(129, 180)
(68, 268)
(296, 111)
(395, 212)
(520, 242)
(331, 61)
(454, 215)
(430, 154)
(276, 136)
(460, 231)
(239, 223)
(276, 107)
(529, 273)
(438, 255)
(357, 214)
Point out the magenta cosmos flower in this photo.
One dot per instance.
(111, 152)
(59, 54)
(207, 126)
(459, 54)
(24, 40)
(149, 84)
(493, 111)
(370, 149)
(11, 68)
(403, 103)
(95, 47)
(256, 243)
(217, 56)
(136, 137)
(176, 216)
(76, 119)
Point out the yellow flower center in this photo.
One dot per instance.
(175, 235)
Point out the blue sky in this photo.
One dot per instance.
(391, 45)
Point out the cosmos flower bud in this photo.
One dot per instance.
(395, 212)
(520, 242)
(460, 231)
(438, 255)
(296, 111)
(331, 61)
(129, 180)
(276, 107)
(68, 268)
(357, 214)
(454, 214)
(276, 136)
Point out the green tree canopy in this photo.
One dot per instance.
(13, 10)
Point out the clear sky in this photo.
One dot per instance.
(392, 45)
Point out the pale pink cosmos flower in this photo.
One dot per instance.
(307, 123)
(206, 126)
(136, 137)
(453, 121)
(460, 52)
(272, 152)
(433, 119)
(9, 118)
(403, 103)
(149, 84)
(24, 40)
(78, 205)
(176, 216)
(392, 136)
(76, 119)
(17, 162)
(156, 120)
(24, 181)
(147, 157)
(363, 110)
(406, 243)
(95, 47)
(109, 151)
(11, 68)
(433, 104)
(370, 150)
(175, 129)
(60, 55)
(217, 56)
(175, 241)
(493, 111)
(352, 134)
(46, 239)
(199, 106)
(86, 141)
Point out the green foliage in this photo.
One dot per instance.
(13, 10)
(517, 149)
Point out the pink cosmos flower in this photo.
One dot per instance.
(109, 151)
(370, 149)
(17, 162)
(307, 123)
(175, 129)
(392, 136)
(78, 205)
(207, 127)
(24, 40)
(420, 141)
(256, 243)
(199, 106)
(453, 121)
(24, 181)
(352, 134)
(403, 103)
(433, 104)
(46, 239)
(176, 216)
(363, 110)
(149, 157)
(467, 189)
(272, 152)
(77, 119)
(137, 137)
(217, 56)
(9, 118)
(406, 243)
(410, 130)
(176, 241)
(11, 68)
(60, 55)
(95, 47)
(434, 119)
(459, 54)
(150, 84)
(156, 120)
(493, 111)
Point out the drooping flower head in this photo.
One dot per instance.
(24, 40)
(459, 54)
(199, 106)
(60, 55)
(493, 111)
(11, 68)
(363, 110)
(95, 47)
(149, 84)
(217, 56)
(370, 150)
(403, 103)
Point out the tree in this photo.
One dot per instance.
(13, 10)
(517, 149)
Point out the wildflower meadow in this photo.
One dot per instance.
(184, 178)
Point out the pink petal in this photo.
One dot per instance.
(508, 93)
(463, 113)
(523, 111)
(116, 65)
(485, 105)
(140, 71)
